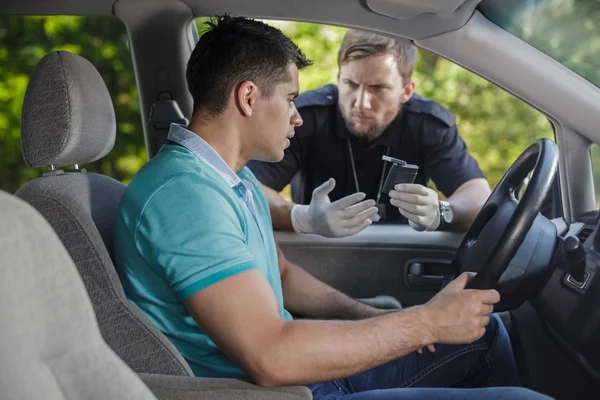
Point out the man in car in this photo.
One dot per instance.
(372, 112)
(194, 248)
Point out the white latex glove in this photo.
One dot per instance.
(343, 217)
(419, 204)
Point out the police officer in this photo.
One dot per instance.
(335, 160)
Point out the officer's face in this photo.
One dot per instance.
(371, 92)
(276, 119)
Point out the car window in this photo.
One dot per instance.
(103, 40)
(495, 125)
(566, 30)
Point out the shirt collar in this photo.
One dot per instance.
(194, 143)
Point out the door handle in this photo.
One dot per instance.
(425, 275)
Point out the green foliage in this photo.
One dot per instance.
(320, 44)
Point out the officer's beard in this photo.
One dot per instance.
(373, 132)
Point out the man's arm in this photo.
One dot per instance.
(281, 210)
(309, 297)
(466, 202)
(242, 316)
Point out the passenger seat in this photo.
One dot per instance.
(68, 119)
(51, 346)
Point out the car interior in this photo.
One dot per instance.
(545, 265)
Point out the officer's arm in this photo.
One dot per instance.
(281, 210)
(455, 172)
(466, 201)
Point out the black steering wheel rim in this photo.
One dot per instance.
(505, 220)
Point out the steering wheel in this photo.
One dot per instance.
(503, 222)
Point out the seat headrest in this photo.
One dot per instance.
(68, 117)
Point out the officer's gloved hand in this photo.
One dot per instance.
(419, 204)
(343, 217)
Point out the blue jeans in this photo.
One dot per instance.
(452, 372)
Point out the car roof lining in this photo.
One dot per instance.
(410, 19)
(408, 9)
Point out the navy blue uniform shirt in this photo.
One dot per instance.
(424, 133)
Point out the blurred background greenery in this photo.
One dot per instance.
(101, 40)
(495, 125)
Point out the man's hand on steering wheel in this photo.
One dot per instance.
(458, 315)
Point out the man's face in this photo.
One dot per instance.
(277, 117)
(371, 92)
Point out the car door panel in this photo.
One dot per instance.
(390, 260)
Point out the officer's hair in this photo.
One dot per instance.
(233, 50)
(360, 44)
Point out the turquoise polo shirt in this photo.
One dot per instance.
(185, 222)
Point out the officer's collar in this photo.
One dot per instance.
(391, 137)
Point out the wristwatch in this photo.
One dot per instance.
(446, 216)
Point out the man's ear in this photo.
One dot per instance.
(408, 91)
(245, 97)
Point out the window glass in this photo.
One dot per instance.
(103, 40)
(566, 30)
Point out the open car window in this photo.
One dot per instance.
(495, 125)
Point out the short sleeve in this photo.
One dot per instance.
(192, 235)
(446, 157)
(278, 175)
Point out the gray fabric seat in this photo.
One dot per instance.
(51, 346)
(383, 302)
(68, 119)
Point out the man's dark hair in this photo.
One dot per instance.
(233, 50)
(359, 44)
